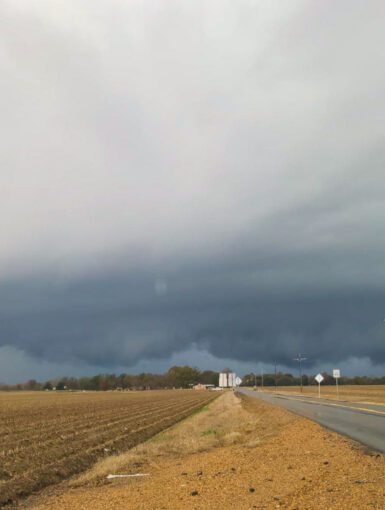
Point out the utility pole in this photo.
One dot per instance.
(275, 377)
(300, 357)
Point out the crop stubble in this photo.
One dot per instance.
(46, 437)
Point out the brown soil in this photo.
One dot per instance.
(273, 459)
(47, 437)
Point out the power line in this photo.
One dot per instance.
(275, 374)
(300, 357)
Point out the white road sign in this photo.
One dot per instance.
(319, 378)
(336, 373)
(238, 381)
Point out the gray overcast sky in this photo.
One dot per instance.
(191, 182)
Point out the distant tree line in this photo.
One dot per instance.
(175, 377)
(307, 380)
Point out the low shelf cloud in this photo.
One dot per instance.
(180, 178)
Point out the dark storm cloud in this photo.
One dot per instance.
(201, 173)
(120, 321)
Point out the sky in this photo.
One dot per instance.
(192, 183)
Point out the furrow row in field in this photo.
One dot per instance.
(50, 460)
(99, 442)
(77, 426)
(57, 448)
(13, 428)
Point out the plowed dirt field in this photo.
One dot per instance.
(239, 454)
(46, 437)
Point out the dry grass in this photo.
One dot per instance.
(224, 422)
(351, 393)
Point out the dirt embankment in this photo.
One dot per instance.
(234, 455)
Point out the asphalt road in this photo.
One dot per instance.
(362, 422)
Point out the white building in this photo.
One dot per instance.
(227, 380)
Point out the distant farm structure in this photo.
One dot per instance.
(228, 379)
(200, 386)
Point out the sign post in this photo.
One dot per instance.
(336, 375)
(319, 378)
